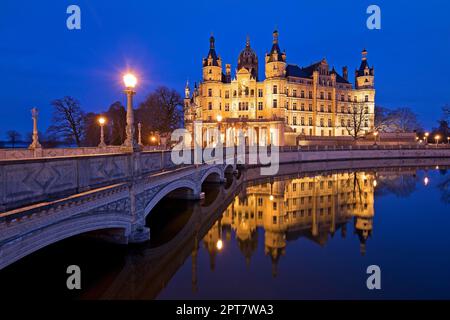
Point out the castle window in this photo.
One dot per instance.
(260, 93)
(227, 94)
(294, 106)
(322, 95)
(209, 92)
(329, 108)
(321, 122)
(342, 109)
(366, 124)
(310, 95)
(275, 103)
(252, 92)
(227, 107)
(310, 122)
(302, 107)
(329, 95)
(275, 207)
(355, 99)
(286, 105)
(342, 97)
(302, 121)
(260, 105)
(321, 108)
(302, 94)
(310, 107)
(234, 93)
(343, 132)
(209, 105)
(294, 93)
(342, 122)
(310, 131)
(366, 98)
(366, 110)
(329, 123)
(274, 219)
(349, 98)
(294, 121)
(275, 90)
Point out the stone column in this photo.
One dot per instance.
(35, 143)
(130, 142)
(140, 134)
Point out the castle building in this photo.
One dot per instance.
(290, 103)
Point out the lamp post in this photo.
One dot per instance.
(448, 140)
(426, 137)
(102, 122)
(35, 142)
(436, 138)
(375, 134)
(130, 82)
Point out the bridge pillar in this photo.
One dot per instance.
(139, 233)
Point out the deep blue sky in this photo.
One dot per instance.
(165, 41)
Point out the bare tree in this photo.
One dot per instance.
(446, 111)
(68, 120)
(13, 137)
(403, 120)
(117, 122)
(162, 111)
(357, 120)
(383, 122)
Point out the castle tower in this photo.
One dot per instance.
(187, 91)
(275, 60)
(364, 76)
(248, 60)
(212, 64)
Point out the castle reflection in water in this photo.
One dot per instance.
(310, 207)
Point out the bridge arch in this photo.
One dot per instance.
(15, 250)
(183, 184)
(214, 174)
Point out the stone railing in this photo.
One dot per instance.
(23, 154)
(27, 181)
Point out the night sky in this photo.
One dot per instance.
(164, 43)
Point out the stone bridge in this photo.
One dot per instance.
(46, 200)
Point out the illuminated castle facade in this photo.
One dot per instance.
(289, 103)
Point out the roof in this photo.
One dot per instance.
(293, 70)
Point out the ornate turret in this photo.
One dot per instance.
(187, 91)
(248, 60)
(364, 76)
(212, 64)
(275, 60)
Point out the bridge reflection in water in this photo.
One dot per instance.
(265, 214)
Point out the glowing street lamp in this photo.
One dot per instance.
(375, 134)
(437, 138)
(130, 82)
(219, 118)
(102, 121)
(426, 137)
(448, 140)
